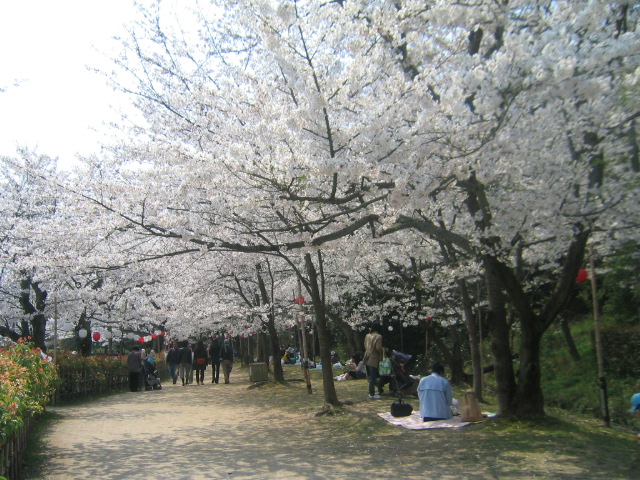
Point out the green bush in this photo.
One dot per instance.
(27, 382)
(574, 385)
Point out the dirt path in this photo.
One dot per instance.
(228, 431)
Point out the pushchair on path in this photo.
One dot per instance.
(151, 377)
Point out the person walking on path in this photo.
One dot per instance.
(173, 361)
(134, 367)
(436, 396)
(226, 358)
(372, 355)
(186, 359)
(214, 355)
(200, 361)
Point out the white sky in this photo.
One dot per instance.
(51, 102)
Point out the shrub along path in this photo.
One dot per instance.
(273, 432)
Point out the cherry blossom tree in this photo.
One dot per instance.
(496, 139)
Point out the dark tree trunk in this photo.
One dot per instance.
(529, 401)
(36, 328)
(278, 372)
(457, 362)
(502, 357)
(84, 344)
(474, 340)
(330, 395)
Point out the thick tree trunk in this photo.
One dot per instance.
(36, 328)
(330, 395)
(499, 328)
(529, 400)
(84, 344)
(278, 373)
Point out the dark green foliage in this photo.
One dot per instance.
(620, 290)
(621, 347)
(574, 385)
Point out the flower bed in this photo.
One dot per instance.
(27, 381)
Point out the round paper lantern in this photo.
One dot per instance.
(141, 339)
(96, 336)
(390, 328)
(82, 333)
(429, 319)
(136, 337)
(300, 300)
(130, 335)
(108, 334)
(163, 333)
(582, 276)
(154, 336)
(67, 326)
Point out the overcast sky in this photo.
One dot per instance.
(48, 98)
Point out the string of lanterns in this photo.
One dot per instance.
(107, 335)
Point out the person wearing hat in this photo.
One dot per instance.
(226, 358)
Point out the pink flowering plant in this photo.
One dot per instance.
(27, 381)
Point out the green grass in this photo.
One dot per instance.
(576, 441)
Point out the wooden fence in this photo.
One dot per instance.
(81, 383)
(13, 450)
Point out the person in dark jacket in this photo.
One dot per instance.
(173, 361)
(200, 361)
(226, 357)
(134, 367)
(214, 355)
(186, 360)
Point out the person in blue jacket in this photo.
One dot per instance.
(436, 396)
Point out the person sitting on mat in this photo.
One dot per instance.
(358, 373)
(436, 396)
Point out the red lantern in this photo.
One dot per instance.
(154, 336)
(300, 300)
(96, 336)
(163, 333)
(141, 340)
(582, 276)
(429, 319)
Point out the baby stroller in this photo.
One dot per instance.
(151, 377)
(402, 383)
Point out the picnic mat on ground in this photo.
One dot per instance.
(414, 421)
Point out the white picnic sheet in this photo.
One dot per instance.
(414, 421)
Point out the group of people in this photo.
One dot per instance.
(139, 362)
(434, 391)
(188, 360)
